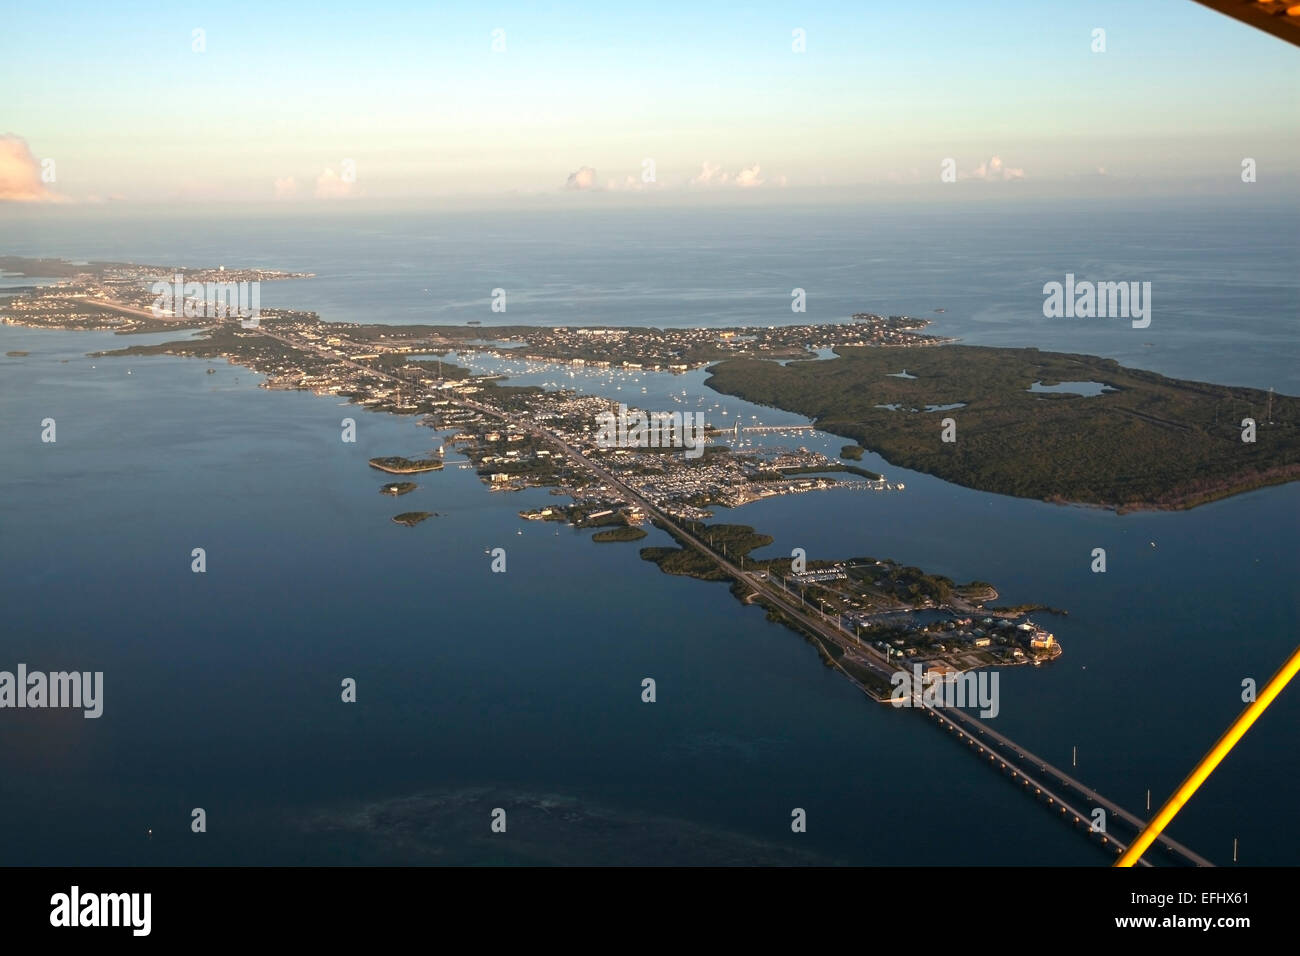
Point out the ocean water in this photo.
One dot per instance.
(522, 690)
(1225, 291)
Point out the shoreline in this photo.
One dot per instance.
(201, 345)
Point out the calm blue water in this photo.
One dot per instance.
(222, 689)
(1225, 291)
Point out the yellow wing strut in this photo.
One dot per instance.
(1210, 761)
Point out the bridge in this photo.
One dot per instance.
(983, 739)
(1007, 755)
(1000, 751)
(776, 429)
(763, 429)
(957, 721)
(965, 726)
(1079, 818)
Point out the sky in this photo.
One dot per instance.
(310, 103)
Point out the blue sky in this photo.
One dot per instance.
(413, 97)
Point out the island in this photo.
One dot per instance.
(885, 609)
(406, 466)
(1058, 427)
(398, 488)
(410, 519)
(1064, 428)
(1137, 440)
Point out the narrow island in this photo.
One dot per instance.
(1062, 428)
(406, 466)
(398, 488)
(1070, 429)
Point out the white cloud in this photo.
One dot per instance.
(20, 173)
(994, 170)
(330, 185)
(747, 178)
(286, 187)
(710, 175)
(582, 178)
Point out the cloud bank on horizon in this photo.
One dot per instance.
(994, 170)
(710, 175)
(872, 99)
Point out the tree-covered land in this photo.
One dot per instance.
(626, 533)
(1152, 442)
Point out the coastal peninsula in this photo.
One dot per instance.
(1122, 438)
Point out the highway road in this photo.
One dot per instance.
(1016, 758)
(1019, 762)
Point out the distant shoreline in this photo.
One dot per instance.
(1148, 443)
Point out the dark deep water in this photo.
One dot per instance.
(522, 690)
